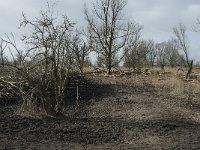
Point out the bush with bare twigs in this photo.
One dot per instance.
(45, 64)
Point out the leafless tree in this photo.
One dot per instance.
(152, 53)
(132, 50)
(100, 61)
(137, 56)
(172, 54)
(81, 50)
(108, 29)
(161, 54)
(180, 33)
(2, 51)
(196, 27)
(46, 61)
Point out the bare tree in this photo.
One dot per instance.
(152, 53)
(161, 54)
(108, 29)
(180, 33)
(81, 50)
(196, 27)
(100, 61)
(2, 51)
(172, 54)
(46, 61)
(137, 54)
(132, 51)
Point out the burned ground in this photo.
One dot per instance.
(118, 114)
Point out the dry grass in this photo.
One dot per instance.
(197, 87)
(131, 115)
(177, 86)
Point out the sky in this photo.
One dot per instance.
(158, 17)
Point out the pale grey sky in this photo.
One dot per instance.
(157, 16)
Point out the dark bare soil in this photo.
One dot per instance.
(121, 114)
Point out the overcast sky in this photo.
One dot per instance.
(158, 17)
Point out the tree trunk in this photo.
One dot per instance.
(162, 67)
(152, 64)
(109, 71)
(189, 70)
(81, 68)
(109, 66)
(129, 67)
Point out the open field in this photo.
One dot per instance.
(140, 112)
(95, 78)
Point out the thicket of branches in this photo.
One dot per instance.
(52, 52)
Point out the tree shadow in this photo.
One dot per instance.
(87, 89)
